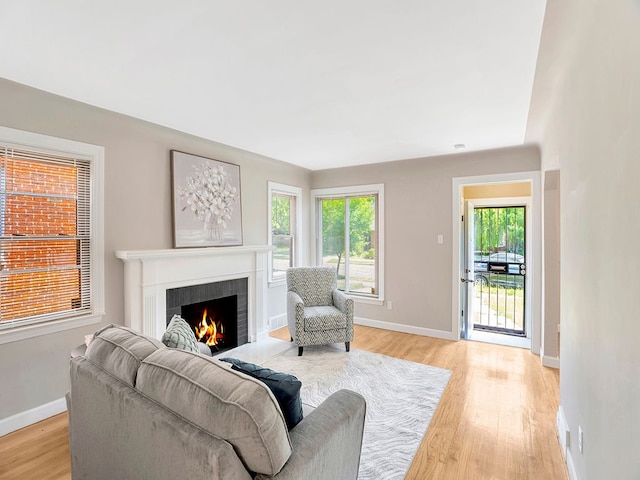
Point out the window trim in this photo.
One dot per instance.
(292, 191)
(36, 142)
(355, 190)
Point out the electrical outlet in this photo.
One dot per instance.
(389, 305)
(580, 438)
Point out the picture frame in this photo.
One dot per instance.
(207, 207)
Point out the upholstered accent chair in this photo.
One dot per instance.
(317, 312)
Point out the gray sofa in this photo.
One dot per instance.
(139, 410)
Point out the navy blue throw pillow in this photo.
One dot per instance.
(285, 387)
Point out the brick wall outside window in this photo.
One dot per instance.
(39, 251)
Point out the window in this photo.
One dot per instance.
(349, 225)
(285, 207)
(50, 234)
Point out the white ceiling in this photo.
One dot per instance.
(315, 83)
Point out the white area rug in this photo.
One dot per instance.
(401, 399)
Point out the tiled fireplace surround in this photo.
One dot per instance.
(148, 274)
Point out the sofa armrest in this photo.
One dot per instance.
(327, 443)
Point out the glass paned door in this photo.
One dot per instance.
(500, 269)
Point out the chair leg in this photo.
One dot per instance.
(300, 351)
(348, 345)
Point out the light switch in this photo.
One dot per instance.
(440, 239)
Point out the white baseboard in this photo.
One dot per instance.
(562, 429)
(564, 438)
(397, 327)
(551, 362)
(277, 321)
(573, 475)
(29, 417)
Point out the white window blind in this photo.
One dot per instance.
(283, 227)
(45, 237)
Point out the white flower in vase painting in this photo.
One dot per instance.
(211, 197)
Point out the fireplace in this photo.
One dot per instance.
(148, 274)
(217, 312)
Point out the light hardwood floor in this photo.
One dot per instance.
(495, 421)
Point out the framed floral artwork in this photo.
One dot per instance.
(206, 201)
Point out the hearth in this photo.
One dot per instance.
(216, 311)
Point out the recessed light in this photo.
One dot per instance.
(459, 146)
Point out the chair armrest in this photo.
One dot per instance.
(295, 312)
(343, 302)
(327, 442)
(293, 299)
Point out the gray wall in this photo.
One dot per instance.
(586, 117)
(551, 265)
(418, 197)
(137, 216)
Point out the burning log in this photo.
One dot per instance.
(209, 330)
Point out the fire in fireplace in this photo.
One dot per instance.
(226, 306)
(214, 322)
(210, 331)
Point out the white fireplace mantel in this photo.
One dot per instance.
(148, 274)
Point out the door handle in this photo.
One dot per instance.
(467, 280)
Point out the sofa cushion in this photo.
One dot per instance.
(285, 387)
(223, 402)
(119, 350)
(180, 335)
